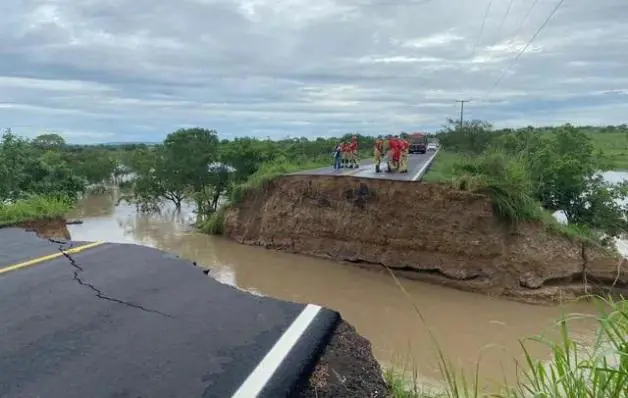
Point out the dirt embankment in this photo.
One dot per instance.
(346, 368)
(430, 232)
(53, 228)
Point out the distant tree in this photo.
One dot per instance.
(49, 140)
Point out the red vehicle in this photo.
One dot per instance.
(418, 143)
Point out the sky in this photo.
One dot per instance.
(135, 70)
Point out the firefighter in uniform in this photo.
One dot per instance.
(355, 156)
(394, 154)
(403, 161)
(345, 154)
(378, 153)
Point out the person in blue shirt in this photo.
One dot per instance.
(338, 156)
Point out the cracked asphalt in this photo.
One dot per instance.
(122, 320)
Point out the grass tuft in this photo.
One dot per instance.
(215, 224)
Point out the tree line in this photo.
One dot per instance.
(554, 167)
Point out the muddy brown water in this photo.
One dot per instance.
(468, 326)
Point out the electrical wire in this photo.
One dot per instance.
(477, 43)
(501, 25)
(523, 50)
(525, 18)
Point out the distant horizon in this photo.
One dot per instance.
(76, 141)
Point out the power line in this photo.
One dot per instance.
(477, 43)
(523, 50)
(525, 18)
(501, 25)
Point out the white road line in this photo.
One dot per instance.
(257, 380)
(425, 166)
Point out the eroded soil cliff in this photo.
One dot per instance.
(53, 228)
(346, 368)
(425, 231)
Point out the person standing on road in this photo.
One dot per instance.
(355, 157)
(403, 163)
(396, 154)
(338, 156)
(346, 154)
(378, 153)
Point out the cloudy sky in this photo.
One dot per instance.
(129, 70)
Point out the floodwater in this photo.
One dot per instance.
(467, 326)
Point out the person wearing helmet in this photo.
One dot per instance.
(378, 153)
(345, 154)
(404, 147)
(395, 151)
(355, 160)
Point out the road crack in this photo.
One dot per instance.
(98, 293)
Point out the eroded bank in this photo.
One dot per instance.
(50, 228)
(429, 232)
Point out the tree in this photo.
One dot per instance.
(473, 137)
(48, 141)
(26, 171)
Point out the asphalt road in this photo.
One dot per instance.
(117, 320)
(417, 166)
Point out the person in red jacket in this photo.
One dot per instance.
(395, 151)
(346, 153)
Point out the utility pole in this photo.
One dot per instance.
(462, 110)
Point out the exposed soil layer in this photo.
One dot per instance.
(429, 232)
(51, 228)
(346, 369)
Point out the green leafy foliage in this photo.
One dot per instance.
(529, 169)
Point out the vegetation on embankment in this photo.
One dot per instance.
(214, 224)
(32, 209)
(592, 369)
(531, 174)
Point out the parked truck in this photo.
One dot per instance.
(418, 143)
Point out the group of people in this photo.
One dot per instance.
(346, 154)
(395, 150)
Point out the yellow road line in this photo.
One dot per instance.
(49, 257)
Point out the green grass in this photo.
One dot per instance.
(215, 224)
(614, 149)
(442, 169)
(33, 208)
(271, 170)
(402, 387)
(575, 369)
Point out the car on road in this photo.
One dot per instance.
(432, 147)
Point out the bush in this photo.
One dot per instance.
(34, 208)
(215, 224)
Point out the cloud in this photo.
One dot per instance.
(122, 70)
